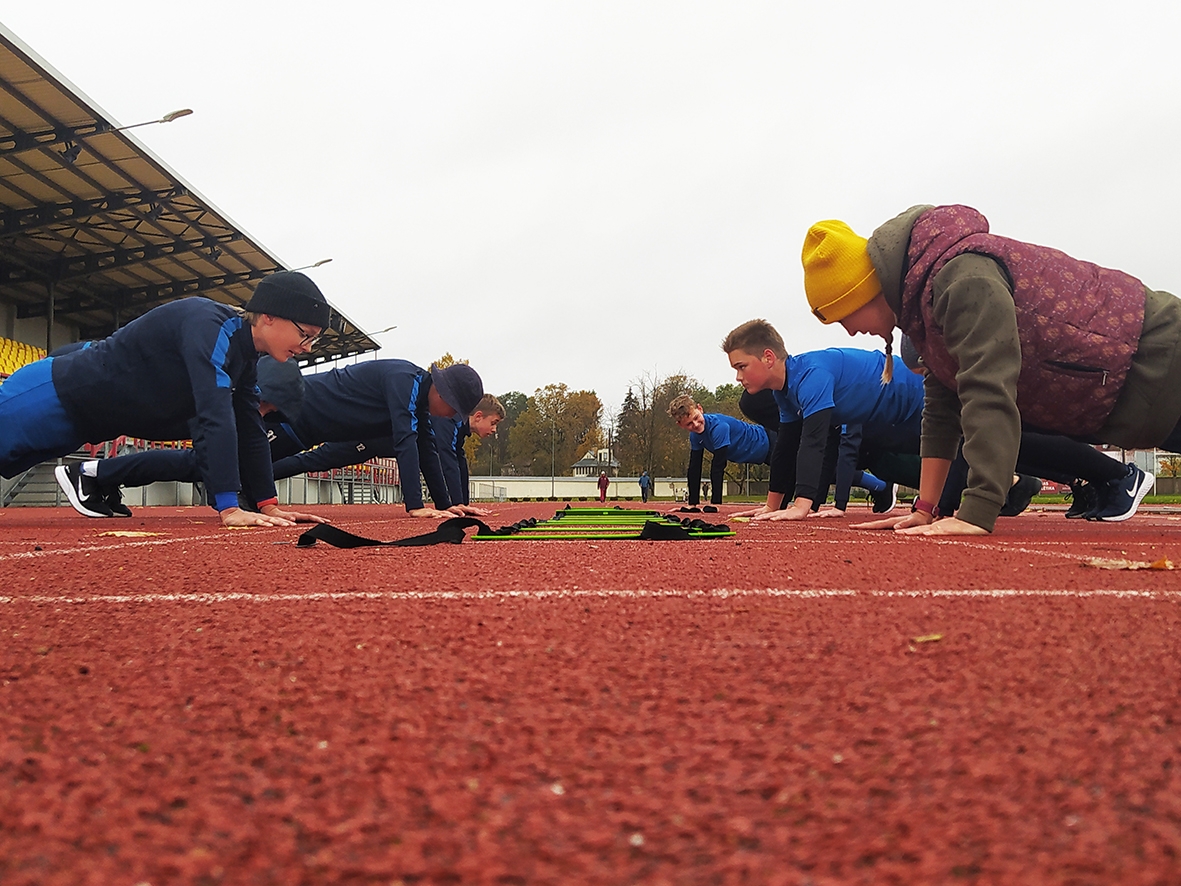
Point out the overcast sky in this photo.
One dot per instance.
(583, 193)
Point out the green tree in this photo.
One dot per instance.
(489, 456)
(557, 427)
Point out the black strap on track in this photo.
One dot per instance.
(447, 532)
(682, 531)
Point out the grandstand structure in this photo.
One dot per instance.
(95, 230)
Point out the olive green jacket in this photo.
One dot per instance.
(973, 303)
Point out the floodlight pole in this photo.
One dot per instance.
(552, 463)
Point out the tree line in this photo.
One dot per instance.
(555, 427)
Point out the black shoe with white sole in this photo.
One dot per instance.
(1119, 499)
(885, 501)
(1083, 499)
(113, 499)
(83, 492)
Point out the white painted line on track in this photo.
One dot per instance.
(717, 593)
(26, 555)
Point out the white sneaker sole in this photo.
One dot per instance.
(1146, 484)
(61, 474)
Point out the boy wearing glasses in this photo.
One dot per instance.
(189, 360)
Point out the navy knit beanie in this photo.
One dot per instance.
(292, 296)
(459, 385)
(282, 385)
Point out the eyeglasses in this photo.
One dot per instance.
(306, 338)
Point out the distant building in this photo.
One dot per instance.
(594, 463)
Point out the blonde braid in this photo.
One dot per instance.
(888, 369)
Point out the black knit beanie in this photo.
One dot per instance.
(291, 295)
(281, 384)
(459, 385)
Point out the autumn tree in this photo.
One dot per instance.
(557, 427)
(1169, 466)
(646, 438)
(489, 456)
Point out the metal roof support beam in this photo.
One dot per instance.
(18, 222)
(126, 298)
(86, 265)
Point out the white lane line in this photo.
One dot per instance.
(716, 593)
(27, 555)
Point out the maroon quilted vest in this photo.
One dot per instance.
(1079, 323)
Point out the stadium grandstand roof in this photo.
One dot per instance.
(95, 230)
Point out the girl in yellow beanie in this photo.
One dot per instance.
(1009, 332)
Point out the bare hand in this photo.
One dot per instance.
(827, 512)
(917, 518)
(429, 512)
(751, 512)
(469, 511)
(239, 517)
(293, 516)
(795, 512)
(949, 526)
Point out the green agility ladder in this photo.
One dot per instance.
(570, 524)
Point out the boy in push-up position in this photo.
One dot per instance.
(728, 439)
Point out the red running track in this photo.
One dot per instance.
(207, 706)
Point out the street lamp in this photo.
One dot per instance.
(73, 144)
(167, 118)
(322, 261)
(552, 442)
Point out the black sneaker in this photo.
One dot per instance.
(1119, 499)
(1084, 498)
(884, 501)
(113, 499)
(1020, 495)
(83, 492)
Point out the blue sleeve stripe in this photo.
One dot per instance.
(414, 404)
(221, 347)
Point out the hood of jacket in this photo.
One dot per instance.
(887, 250)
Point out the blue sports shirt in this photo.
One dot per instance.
(849, 382)
(748, 443)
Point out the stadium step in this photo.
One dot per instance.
(37, 488)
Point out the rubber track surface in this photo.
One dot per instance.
(207, 706)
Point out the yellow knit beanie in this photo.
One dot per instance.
(838, 276)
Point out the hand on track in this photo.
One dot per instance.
(794, 512)
(238, 517)
(827, 512)
(948, 526)
(917, 518)
(469, 511)
(752, 512)
(293, 516)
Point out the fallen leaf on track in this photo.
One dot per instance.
(927, 638)
(1104, 563)
(128, 533)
